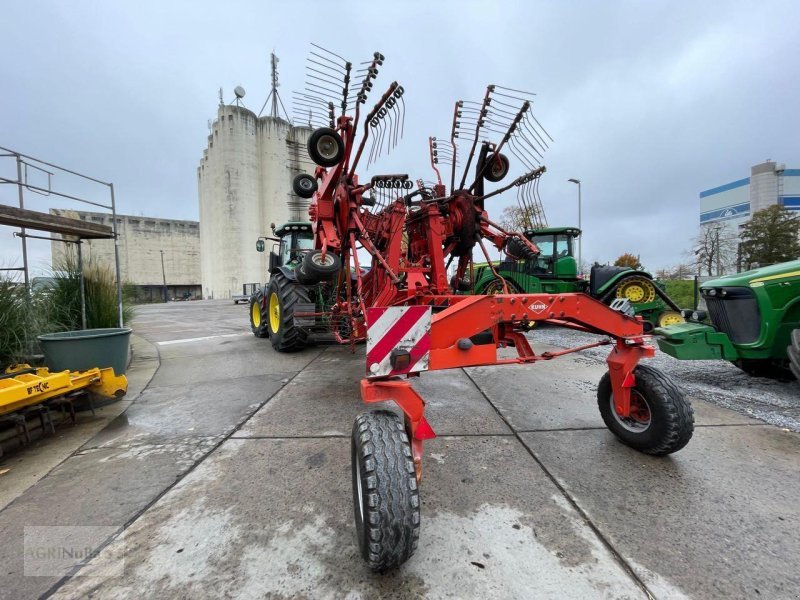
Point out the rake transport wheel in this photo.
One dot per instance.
(316, 268)
(385, 495)
(325, 147)
(304, 185)
(497, 169)
(258, 315)
(793, 352)
(661, 420)
(282, 298)
(638, 290)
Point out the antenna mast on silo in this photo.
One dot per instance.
(273, 93)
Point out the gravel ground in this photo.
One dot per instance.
(715, 381)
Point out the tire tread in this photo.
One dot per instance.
(391, 525)
(678, 415)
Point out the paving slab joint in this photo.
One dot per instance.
(572, 502)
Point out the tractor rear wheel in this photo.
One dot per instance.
(385, 494)
(661, 419)
(283, 295)
(793, 352)
(766, 368)
(495, 286)
(258, 315)
(637, 289)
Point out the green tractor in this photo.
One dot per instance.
(755, 323)
(555, 270)
(286, 310)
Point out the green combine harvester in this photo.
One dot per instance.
(555, 270)
(755, 323)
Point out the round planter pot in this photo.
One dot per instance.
(87, 349)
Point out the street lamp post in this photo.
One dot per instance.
(163, 275)
(580, 239)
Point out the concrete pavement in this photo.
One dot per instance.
(230, 476)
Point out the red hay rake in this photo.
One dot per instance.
(409, 311)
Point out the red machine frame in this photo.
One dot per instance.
(409, 244)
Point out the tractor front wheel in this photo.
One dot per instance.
(283, 295)
(766, 368)
(661, 419)
(793, 352)
(385, 494)
(258, 316)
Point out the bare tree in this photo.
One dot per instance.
(714, 249)
(514, 218)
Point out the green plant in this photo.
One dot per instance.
(681, 291)
(100, 291)
(21, 320)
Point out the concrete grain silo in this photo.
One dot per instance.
(245, 183)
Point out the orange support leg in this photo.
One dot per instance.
(413, 406)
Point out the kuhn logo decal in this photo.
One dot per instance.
(538, 307)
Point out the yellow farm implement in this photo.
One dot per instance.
(22, 385)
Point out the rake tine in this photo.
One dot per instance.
(512, 97)
(542, 128)
(328, 51)
(334, 93)
(324, 76)
(501, 87)
(535, 134)
(339, 70)
(325, 58)
(390, 131)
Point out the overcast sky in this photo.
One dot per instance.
(648, 102)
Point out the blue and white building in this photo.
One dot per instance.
(732, 204)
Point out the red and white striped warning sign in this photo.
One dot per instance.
(402, 330)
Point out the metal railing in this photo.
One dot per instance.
(26, 163)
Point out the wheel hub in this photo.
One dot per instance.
(327, 146)
(637, 289)
(320, 262)
(638, 420)
(255, 313)
(274, 312)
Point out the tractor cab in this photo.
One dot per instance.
(557, 252)
(294, 240)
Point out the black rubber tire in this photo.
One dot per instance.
(766, 368)
(495, 286)
(333, 155)
(289, 337)
(386, 503)
(671, 414)
(793, 352)
(304, 185)
(314, 270)
(496, 172)
(462, 285)
(260, 329)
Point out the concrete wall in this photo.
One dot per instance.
(244, 184)
(141, 240)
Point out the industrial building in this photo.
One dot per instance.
(732, 204)
(244, 183)
(145, 245)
